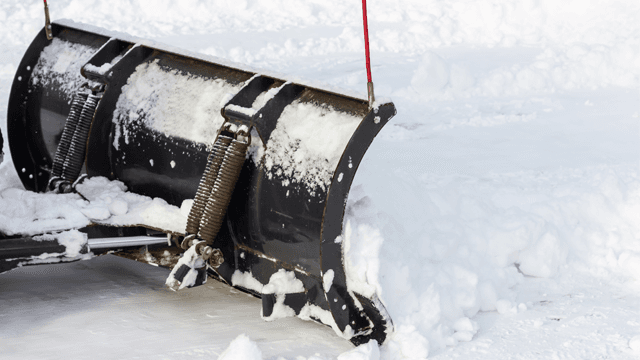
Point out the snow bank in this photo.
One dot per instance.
(459, 248)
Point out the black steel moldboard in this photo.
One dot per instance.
(248, 94)
(338, 295)
(131, 164)
(267, 118)
(27, 104)
(100, 144)
(262, 266)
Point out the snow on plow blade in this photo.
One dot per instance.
(155, 115)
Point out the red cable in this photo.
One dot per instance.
(366, 39)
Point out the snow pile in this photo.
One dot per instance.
(107, 203)
(462, 245)
(60, 63)
(110, 204)
(307, 144)
(361, 258)
(28, 213)
(242, 348)
(165, 100)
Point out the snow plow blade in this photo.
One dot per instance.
(151, 117)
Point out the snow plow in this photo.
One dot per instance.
(263, 166)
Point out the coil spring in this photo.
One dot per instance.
(206, 183)
(67, 133)
(78, 146)
(222, 190)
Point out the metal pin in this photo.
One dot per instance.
(47, 22)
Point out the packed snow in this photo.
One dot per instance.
(496, 216)
(60, 63)
(72, 240)
(165, 101)
(307, 144)
(98, 201)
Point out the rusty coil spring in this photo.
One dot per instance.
(67, 133)
(78, 146)
(223, 187)
(206, 183)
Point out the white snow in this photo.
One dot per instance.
(327, 280)
(72, 240)
(307, 144)
(283, 282)
(27, 213)
(168, 99)
(120, 207)
(191, 259)
(361, 258)
(368, 351)
(242, 348)
(246, 280)
(504, 194)
(104, 68)
(246, 111)
(60, 63)
(634, 343)
(23, 212)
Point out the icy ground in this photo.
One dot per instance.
(497, 215)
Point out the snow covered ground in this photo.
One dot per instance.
(497, 215)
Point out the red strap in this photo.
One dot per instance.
(366, 39)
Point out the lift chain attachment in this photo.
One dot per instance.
(215, 190)
(70, 154)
